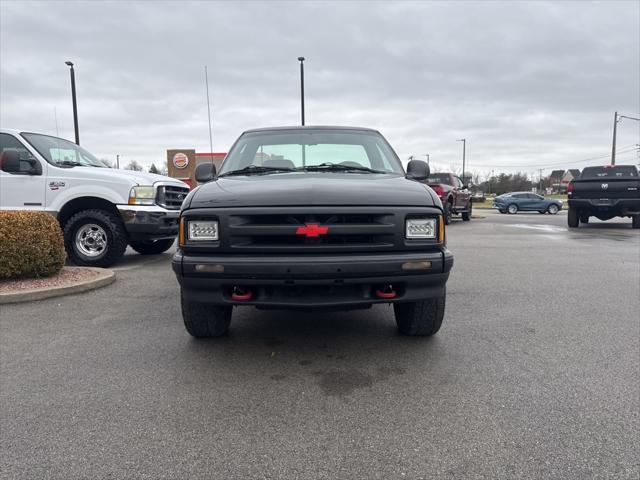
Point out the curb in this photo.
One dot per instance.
(105, 277)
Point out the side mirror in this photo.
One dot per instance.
(417, 170)
(10, 161)
(205, 172)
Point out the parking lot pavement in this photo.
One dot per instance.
(535, 374)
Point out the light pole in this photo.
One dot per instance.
(617, 118)
(464, 152)
(73, 98)
(427, 155)
(301, 60)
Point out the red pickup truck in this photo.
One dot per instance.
(454, 194)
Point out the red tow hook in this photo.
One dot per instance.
(241, 295)
(387, 292)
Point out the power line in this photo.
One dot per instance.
(557, 164)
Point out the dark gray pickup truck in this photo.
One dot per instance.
(312, 218)
(605, 192)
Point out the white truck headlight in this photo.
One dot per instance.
(421, 228)
(203, 230)
(142, 195)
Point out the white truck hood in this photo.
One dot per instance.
(127, 176)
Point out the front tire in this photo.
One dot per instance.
(422, 318)
(152, 247)
(635, 221)
(94, 238)
(553, 209)
(573, 219)
(584, 219)
(512, 209)
(205, 321)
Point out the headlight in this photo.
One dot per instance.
(203, 230)
(142, 195)
(421, 228)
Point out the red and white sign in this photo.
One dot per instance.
(180, 160)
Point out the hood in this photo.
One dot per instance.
(130, 176)
(312, 189)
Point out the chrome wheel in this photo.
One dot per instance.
(553, 209)
(512, 209)
(91, 240)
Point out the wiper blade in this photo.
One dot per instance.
(69, 163)
(257, 169)
(338, 167)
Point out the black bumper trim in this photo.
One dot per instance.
(304, 282)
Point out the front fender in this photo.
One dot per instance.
(59, 197)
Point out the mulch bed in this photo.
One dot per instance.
(67, 276)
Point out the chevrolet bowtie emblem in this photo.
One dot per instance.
(312, 230)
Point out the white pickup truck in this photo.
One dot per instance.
(101, 210)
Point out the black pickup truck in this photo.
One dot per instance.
(310, 218)
(605, 192)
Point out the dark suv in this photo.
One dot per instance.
(454, 194)
(312, 217)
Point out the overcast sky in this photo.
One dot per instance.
(529, 84)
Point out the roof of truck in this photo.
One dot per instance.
(310, 127)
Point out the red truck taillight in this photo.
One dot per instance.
(439, 190)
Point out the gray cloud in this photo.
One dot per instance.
(528, 84)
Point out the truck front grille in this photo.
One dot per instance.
(171, 196)
(287, 231)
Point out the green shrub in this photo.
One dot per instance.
(31, 245)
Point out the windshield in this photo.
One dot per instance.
(437, 178)
(317, 150)
(62, 153)
(622, 171)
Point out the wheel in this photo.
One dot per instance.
(573, 219)
(420, 318)
(513, 208)
(553, 209)
(94, 238)
(205, 321)
(635, 221)
(447, 213)
(152, 247)
(584, 219)
(466, 216)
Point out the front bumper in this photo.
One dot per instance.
(311, 281)
(149, 222)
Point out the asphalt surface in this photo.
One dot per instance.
(535, 374)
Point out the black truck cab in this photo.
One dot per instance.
(312, 217)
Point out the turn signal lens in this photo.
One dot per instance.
(440, 229)
(181, 233)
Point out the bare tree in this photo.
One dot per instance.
(135, 166)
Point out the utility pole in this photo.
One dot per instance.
(427, 158)
(540, 179)
(617, 118)
(73, 98)
(613, 144)
(301, 60)
(118, 162)
(464, 149)
(206, 81)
